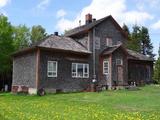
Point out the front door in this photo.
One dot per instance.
(120, 74)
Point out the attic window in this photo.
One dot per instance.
(119, 62)
(108, 41)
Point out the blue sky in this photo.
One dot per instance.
(60, 15)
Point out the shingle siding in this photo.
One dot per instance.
(64, 80)
(24, 70)
(104, 32)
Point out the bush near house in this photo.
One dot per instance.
(143, 104)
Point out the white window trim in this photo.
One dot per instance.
(105, 61)
(52, 71)
(76, 76)
(119, 60)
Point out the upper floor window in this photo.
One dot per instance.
(119, 62)
(108, 41)
(52, 69)
(105, 67)
(80, 70)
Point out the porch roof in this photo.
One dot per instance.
(132, 55)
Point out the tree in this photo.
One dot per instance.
(126, 29)
(6, 45)
(156, 75)
(139, 40)
(21, 37)
(134, 43)
(129, 41)
(37, 33)
(146, 45)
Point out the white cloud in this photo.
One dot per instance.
(133, 17)
(156, 25)
(102, 8)
(4, 3)
(61, 13)
(43, 4)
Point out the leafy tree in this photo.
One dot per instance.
(156, 75)
(6, 45)
(37, 33)
(21, 37)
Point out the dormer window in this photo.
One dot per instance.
(108, 41)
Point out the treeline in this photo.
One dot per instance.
(14, 38)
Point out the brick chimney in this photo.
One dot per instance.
(88, 18)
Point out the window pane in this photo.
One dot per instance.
(80, 70)
(105, 67)
(86, 68)
(54, 66)
(52, 69)
(73, 67)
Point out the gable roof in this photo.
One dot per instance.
(89, 26)
(54, 42)
(131, 54)
(138, 56)
(110, 50)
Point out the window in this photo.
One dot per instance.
(119, 62)
(108, 41)
(80, 70)
(52, 69)
(105, 67)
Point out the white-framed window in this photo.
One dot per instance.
(52, 69)
(119, 62)
(106, 67)
(80, 70)
(108, 41)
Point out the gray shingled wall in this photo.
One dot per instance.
(64, 80)
(24, 70)
(104, 30)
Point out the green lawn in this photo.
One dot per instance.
(108, 105)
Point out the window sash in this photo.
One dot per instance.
(105, 67)
(119, 62)
(52, 69)
(80, 70)
(108, 41)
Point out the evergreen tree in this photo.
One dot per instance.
(135, 43)
(146, 45)
(156, 75)
(126, 29)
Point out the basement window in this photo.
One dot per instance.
(52, 69)
(80, 70)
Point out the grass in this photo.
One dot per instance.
(143, 104)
